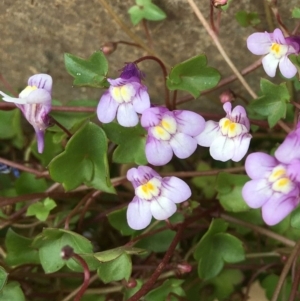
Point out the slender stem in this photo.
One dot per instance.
(220, 47)
(268, 15)
(53, 120)
(295, 285)
(211, 18)
(8, 86)
(128, 43)
(258, 229)
(165, 73)
(287, 266)
(126, 29)
(260, 255)
(174, 100)
(151, 281)
(145, 25)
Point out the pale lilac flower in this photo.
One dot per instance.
(125, 97)
(170, 132)
(154, 196)
(229, 138)
(35, 103)
(277, 49)
(273, 187)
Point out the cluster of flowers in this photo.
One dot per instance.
(274, 185)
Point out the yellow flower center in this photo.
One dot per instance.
(149, 190)
(165, 129)
(281, 182)
(27, 91)
(278, 50)
(123, 93)
(229, 128)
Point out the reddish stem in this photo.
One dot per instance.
(8, 86)
(86, 279)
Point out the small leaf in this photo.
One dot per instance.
(215, 248)
(83, 161)
(193, 76)
(131, 143)
(42, 209)
(28, 183)
(273, 102)
(115, 270)
(91, 72)
(270, 283)
(229, 189)
(3, 278)
(247, 19)
(145, 9)
(112, 254)
(296, 12)
(295, 218)
(12, 292)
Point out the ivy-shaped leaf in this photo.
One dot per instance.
(91, 72)
(247, 19)
(84, 160)
(3, 277)
(296, 12)
(131, 143)
(193, 76)
(273, 102)
(145, 9)
(41, 209)
(215, 248)
(12, 292)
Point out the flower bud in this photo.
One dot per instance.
(217, 3)
(184, 268)
(109, 47)
(227, 96)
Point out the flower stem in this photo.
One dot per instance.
(53, 120)
(165, 73)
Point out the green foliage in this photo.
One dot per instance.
(167, 291)
(295, 218)
(193, 76)
(19, 250)
(226, 6)
(12, 292)
(3, 278)
(91, 72)
(130, 292)
(215, 248)
(296, 12)
(247, 19)
(84, 160)
(145, 9)
(131, 143)
(115, 270)
(229, 189)
(50, 243)
(273, 102)
(42, 209)
(113, 254)
(28, 183)
(271, 281)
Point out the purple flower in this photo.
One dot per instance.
(170, 132)
(277, 48)
(35, 103)
(272, 187)
(154, 196)
(229, 138)
(125, 97)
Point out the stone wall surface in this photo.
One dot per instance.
(36, 33)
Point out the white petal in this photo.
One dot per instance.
(138, 214)
(183, 145)
(241, 147)
(8, 98)
(210, 133)
(175, 189)
(126, 115)
(270, 63)
(162, 208)
(222, 148)
(287, 68)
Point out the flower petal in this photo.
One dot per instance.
(158, 152)
(39, 96)
(241, 147)
(141, 175)
(141, 101)
(107, 108)
(256, 193)
(41, 81)
(138, 214)
(222, 148)
(189, 123)
(162, 208)
(8, 98)
(270, 63)
(259, 43)
(259, 165)
(277, 208)
(183, 145)
(278, 37)
(126, 115)
(40, 139)
(239, 115)
(152, 116)
(209, 134)
(175, 189)
(287, 68)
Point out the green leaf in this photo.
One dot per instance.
(3, 277)
(193, 76)
(118, 220)
(115, 270)
(273, 102)
(296, 12)
(225, 7)
(270, 283)
(112, 254)
(91, 72)
(41, 209)
(295, 218)
(131, 143)
(19, 250)
(131, 291)
(28, 183)
(215, 248)
(161, 293)
(12, 292)
(145, 9)
(84, 160)
(229, 189)
(50, 243)
(247, 19)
